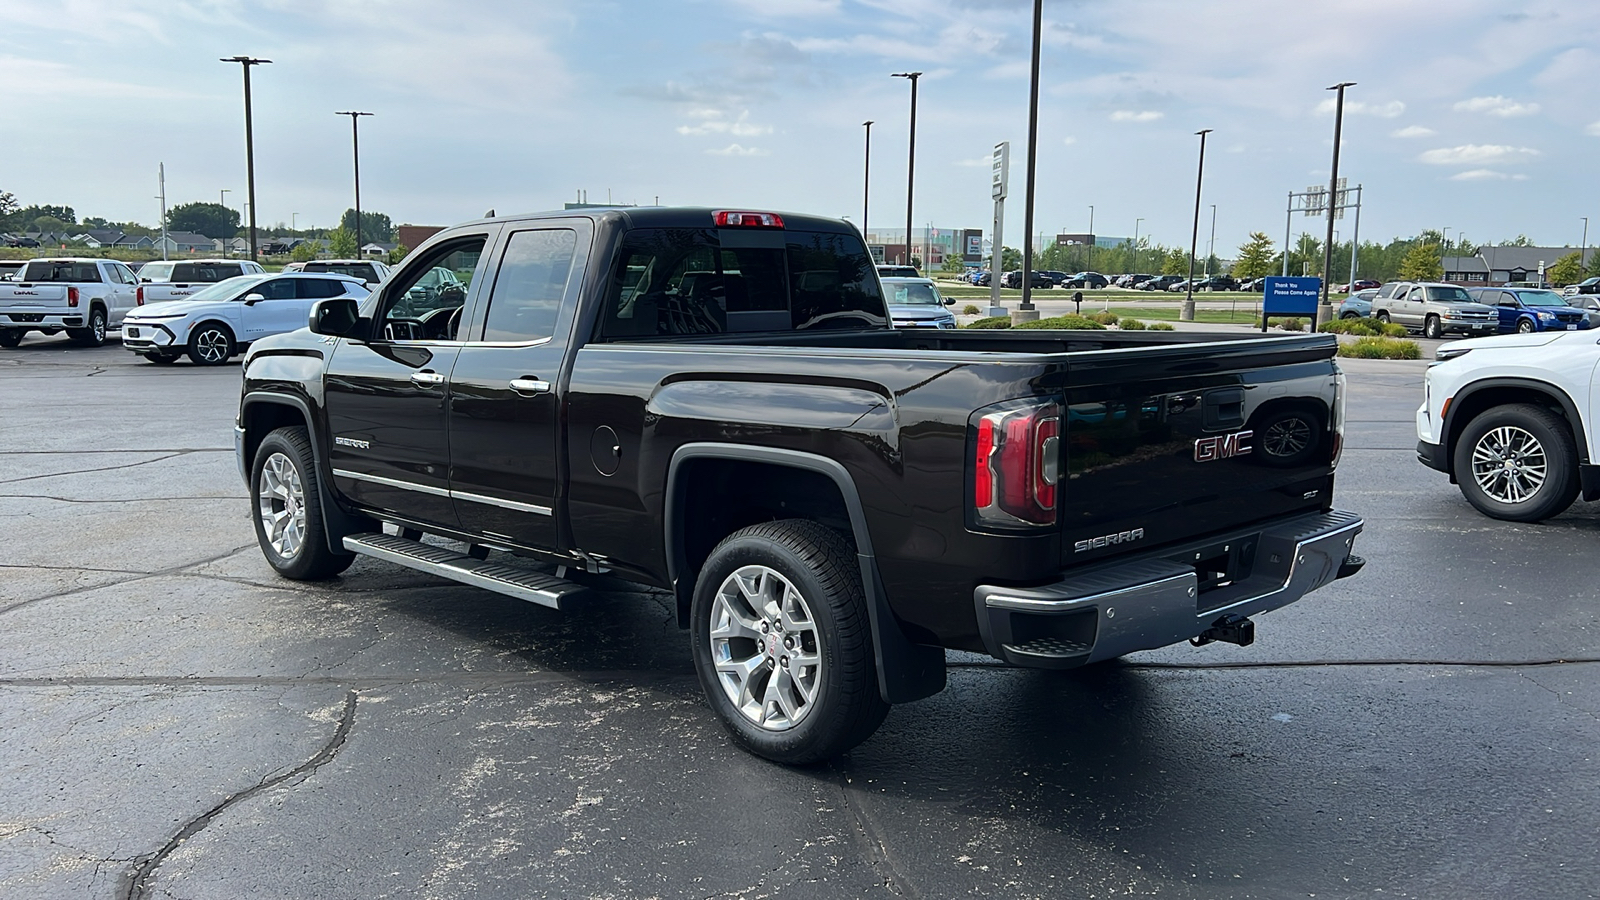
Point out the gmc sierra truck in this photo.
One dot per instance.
(83, 297)
(714, 403)
(163, 280)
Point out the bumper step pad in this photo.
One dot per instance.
(511, 580)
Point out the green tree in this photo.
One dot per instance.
(1594, 264)
(210, 219)
(1010, 260)
(375, 226)
(50, 223)
(1255, 257)
(1421, 263)
(400, 250)
(1520, 240)
(950, 266)
(342, 243)
(8, 203)
(305, 251)
(1175, 263)
(1567, 270)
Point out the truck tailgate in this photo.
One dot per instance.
(30, 297)
(1181, 443)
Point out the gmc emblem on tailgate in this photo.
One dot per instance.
(1223, 446)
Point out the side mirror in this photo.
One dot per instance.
(145, 280)
(339, 317)
(949, 301)
(253, 299)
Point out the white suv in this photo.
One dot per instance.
(214, 323)
(1512, 420)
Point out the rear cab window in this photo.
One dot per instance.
(46, 271)
(205, 273)
(684, 281)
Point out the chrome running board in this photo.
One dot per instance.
(513, 581)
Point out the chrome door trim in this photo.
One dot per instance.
(503, 504)
(392, 482)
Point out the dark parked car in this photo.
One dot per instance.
(1586, 286)
(1160, 282)
(1526, 310)
(1131, 280)
(1360, 284)
(1013, 279)
(1256, 285)
(1086, 280)
(714, 403)
(1054, 276)
(1213, 283)
(1357, 305)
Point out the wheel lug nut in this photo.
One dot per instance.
(765, 626)
(788, 642)
(784, 662)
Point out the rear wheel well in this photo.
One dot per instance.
(716, 497)
(1463, 411)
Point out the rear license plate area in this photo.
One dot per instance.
(1217, 566)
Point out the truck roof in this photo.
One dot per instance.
(678, 217)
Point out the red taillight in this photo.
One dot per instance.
(138, 296)
(72, 296)
(728, 219)
(1017, 464)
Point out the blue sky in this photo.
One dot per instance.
(1479, 115)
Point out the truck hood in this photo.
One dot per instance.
(919, 312)
(1533, 339)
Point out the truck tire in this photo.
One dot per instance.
(1518, 462)
(95, 334)
(782, 642)
(288, 509)
(11, 337)
(1432, 328)
(210, 344)
(1382, 315)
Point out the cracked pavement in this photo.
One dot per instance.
(181, 723)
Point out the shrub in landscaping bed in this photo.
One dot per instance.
(1162, 326)
(1066, 321)
(991, 322)
(1104, 318)
(1373, 347)
(1131, 325)
(1292, 324)
(970, 310)
(1364, 327)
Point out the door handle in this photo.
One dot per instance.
(426, 378)
(529, 386)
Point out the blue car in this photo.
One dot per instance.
(1526, 310)
(1357, 305)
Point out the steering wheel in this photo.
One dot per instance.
(402, 329)
(437, 324)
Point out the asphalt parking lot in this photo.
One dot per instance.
(181, 723)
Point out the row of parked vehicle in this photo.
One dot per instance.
(207, 309)
(1438, 309)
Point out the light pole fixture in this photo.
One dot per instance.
(1026, 307)
(911, 156)
(245, 62)
(1211, 245)
(1324, 308)
(1186, 313)
(866, 178)
(1583, 255)
(1444, 241)
(355, 143)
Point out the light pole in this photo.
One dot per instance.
(1186, 313)
(911, 155)
(355, 143)
(222, 201)
(1025, 309)
(1090, 265)
(1211, 245)
(1136, 223)
(1325, 309)
(294, 221)
(246, 62)
(1583, 255)
(866, 178)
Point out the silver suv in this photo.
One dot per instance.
(1433, 308)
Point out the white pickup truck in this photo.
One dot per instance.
(83, 297)
(1513, 421)
(178, 279)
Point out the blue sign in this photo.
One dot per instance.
(1290, 296)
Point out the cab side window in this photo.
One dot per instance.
(530, 284)
(419, 308)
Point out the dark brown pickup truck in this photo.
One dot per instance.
(714, 403)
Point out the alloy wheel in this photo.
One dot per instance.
(212, 345)
(1509, 464)
(281, 505)
(766, 648)
(97, 324)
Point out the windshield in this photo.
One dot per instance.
(1541, 298)
(913, 294)
(227, 289)
(1449, 295)
(156, 271)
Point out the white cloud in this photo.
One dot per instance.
(1387, 110)
(712, 122)
(1480, 175)
(1476, 154)
(1593, 129)
(1128, 115)
(1497, 106)
(1069, 141)
(737, 150)
(1412, 131)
